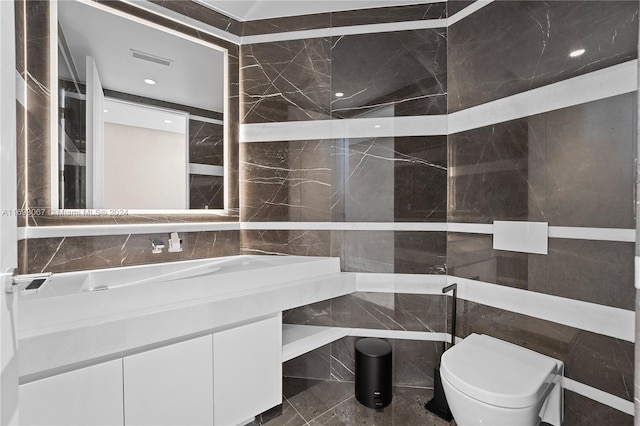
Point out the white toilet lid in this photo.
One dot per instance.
(497, 372)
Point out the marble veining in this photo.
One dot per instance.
(509, 47)
(81, 253)
(286, 81)
(404, 71)
(204, 14)
(542, 168)
(592, 271)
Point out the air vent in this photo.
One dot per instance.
(151, 58)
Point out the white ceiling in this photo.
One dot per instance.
(250, 10)
(195, 77)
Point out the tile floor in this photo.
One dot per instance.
(318, 402)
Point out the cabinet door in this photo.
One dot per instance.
(172, 385)
(89, 396)
(247, 371)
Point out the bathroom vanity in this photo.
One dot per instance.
(197, 342)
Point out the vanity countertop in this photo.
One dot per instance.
(61, 333)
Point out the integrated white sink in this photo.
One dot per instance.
(71, 300)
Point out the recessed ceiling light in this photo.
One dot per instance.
(377, 126)
(168, 121)
(577, 53)
(150, 81)
(106, 110)
(339, 94)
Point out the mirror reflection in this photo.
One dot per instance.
(141, 115)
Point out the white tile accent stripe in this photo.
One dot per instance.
(599, 234)
(125, 229)
(424, 125)
(605, 398)
(349, 30)
(205, 169)
(470, 228)
(601, 84)
(613, 322)
(400, 334)
(346, 226)
(613, 81)
(474, 7)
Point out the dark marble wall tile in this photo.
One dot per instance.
(20, 35)
(202, 13)
(206, 143)
(282, 242)
(509, 47)
(364, 251)
(488, 171)
(583, 411)
(420, 181)
(286, 181)
(311, 365)
(569, 167)
(390, 311)
(592, 271)
(589, 168)
(394, 74)
(81, 253)
(313, 314)
(286, 81)
(21, 161)
(406, 174)
(455, 6)
(603, 362)
(206, 192)
(420, 252)
(286, 24)
(381, 15)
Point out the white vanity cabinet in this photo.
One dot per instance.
(247, 370)
(171, 385)
(88, 396)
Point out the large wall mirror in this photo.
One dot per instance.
(141, 115)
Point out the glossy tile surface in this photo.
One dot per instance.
(405, 72)
(286, 81)
(324, 402)
(206, 143)
(80, 253)
(568, 167)
(415, 12)
(592, 271)
(508, 47)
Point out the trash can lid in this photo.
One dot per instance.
(373, 347)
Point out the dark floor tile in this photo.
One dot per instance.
(289, 417)
(407, 408)
(312, 398)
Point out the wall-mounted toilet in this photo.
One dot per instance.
(488, 381)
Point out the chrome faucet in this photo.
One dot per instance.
(156, 246)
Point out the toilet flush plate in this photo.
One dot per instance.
(520, 236)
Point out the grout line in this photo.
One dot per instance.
(330, 409)
(294, 409)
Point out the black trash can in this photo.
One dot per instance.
(373, 372)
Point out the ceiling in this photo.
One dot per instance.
(251, 10)
(194, 78)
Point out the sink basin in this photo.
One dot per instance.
(73, 298)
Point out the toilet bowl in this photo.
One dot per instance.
(488, 381)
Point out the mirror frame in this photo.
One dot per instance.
(54, 135)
